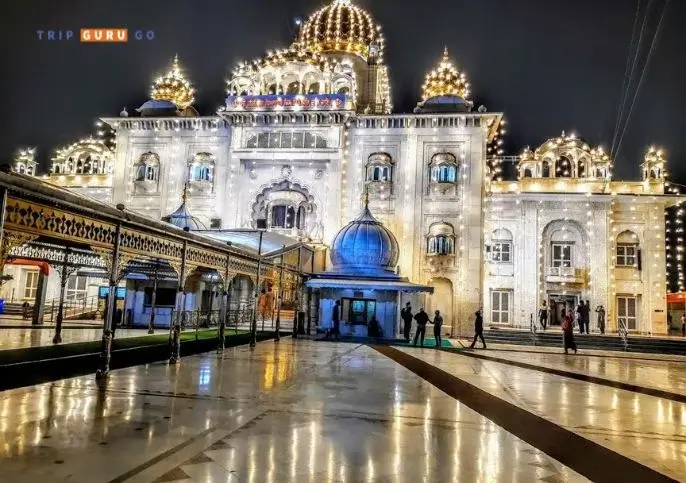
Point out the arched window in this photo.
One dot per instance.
(379, 167)
(57, 169)
(271, 90)
(147, 168)
(581, 171)
(563, 167)
(201, 168)
(79, 167)
(441, 239)
(545, 169)
(627, 252)
(293, 88)
(443, 168)
(527, 173)
(313, 88)
(29, 170)
(501, 246)
(441, 245)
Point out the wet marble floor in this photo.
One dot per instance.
(19, 338)
(303, 411)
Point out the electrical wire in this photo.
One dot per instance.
(634, 63)
(640, 81)
(627, 70)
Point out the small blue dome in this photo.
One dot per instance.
(183, 219)
(364, 246)
(160, 107)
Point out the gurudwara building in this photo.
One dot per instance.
(307, 130)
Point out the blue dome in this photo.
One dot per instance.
(153, 108)
(183, 219)
(364, 246)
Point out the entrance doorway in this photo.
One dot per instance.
(558, 303)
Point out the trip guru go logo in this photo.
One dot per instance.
(96, 35)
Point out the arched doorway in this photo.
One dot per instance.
(441, 299)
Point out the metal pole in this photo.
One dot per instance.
(151, 326)
(63, 285)
(223, 308)
(280, 297)
(106, 350)
(3, 203)
(253, 329)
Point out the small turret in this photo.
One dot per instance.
(654, 165)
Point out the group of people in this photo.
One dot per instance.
(581, 318)
(422, 319)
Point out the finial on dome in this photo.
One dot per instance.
(365, 196)
(184, 194)
(563, 134)
(124, 112)
(446, 56)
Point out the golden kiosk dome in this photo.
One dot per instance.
(341, 27)
(173, 87)
(445, 80)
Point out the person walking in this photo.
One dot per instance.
(543, 315)
(478, 329)
(601, 318)
(587, 316)
(336, 319)
(25, 310)
(438, 326)
(578, 318)
(406, 316)
(683, 324)
(568, 332)
(422, 318)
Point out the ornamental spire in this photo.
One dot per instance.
(184, 193)
(174, 87)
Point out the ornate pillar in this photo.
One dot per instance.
(39, 301)
(279, 297)
(175, 355)
(151, 325)
(253, 329)
(65, 271)
(106, 349)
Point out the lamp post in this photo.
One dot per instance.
(253, 329)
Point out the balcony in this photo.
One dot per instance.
(564, 275)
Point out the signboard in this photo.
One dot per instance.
(287, 102)
(104, 291)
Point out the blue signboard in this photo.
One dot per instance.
(104, 291)
(287, 102)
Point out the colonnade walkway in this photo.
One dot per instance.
(306, 411)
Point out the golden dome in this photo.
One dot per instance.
(567, 143)
(445, 80)
(341, 27)
(173, 87)
(294, 54)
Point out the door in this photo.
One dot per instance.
(626, 313)
(31, 285)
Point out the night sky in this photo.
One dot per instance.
(548, 65)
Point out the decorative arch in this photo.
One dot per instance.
(441, 239)
(443, 168)
(147, 168)
(564, 244)
(201, 168)
(286, 205)
(380, 167)
(627, 249)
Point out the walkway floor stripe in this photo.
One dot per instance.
(648, 391)
(587, 458)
